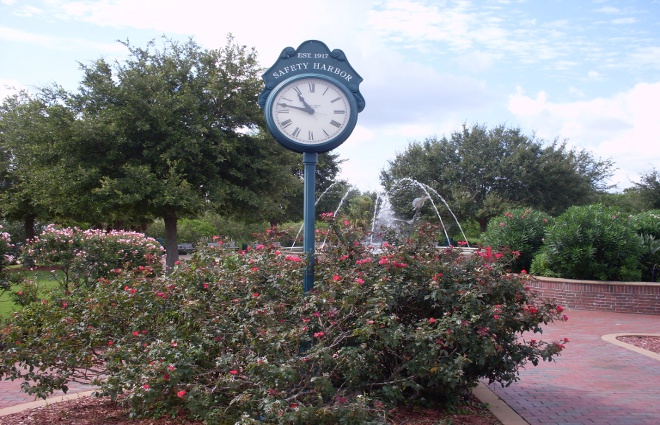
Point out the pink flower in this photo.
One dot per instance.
(171, 367)
(319, 334)
(255, 295)
(110, 342)
(293, 258)
(523, 271)
(206, 285)
(136, 333)
(359, 280)
(336, 278)
(145, 386)
(431, 320)
(565, 317)
(502, 224)
(346, 222)
(181, 393)
(174, 343)
(260, 246)
(255, 269)
(233, 372)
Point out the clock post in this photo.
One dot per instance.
(311, 101)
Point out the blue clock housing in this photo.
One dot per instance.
(312, 61)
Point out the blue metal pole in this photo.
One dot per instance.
(309, 215)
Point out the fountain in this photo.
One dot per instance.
(384, 216)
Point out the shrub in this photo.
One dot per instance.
(229, 337)
(590, 242)
(647, 225)
(6, 258)
(521, 230)
(87, 256)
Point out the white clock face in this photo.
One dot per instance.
(311, 111)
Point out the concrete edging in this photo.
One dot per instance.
(612, 338)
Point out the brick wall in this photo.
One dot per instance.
(620, 297)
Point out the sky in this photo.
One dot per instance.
(586, 72)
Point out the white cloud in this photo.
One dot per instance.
(623, 127)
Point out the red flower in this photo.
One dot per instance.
(431, 320)
(560, 309)
(145, 386)
(233, 372)
(319, 334)
(336, 278)
(181, 393)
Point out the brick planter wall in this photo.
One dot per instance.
(620, 297)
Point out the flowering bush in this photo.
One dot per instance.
(86, 256)
(230, 338)
(521, 230)
(590, 242)
(6, 258)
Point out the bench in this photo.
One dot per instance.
(186, 248)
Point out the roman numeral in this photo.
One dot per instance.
(326, 90)
(335, 99)
(335, 123)
(285, 124)
(340, 111)
(312, 87)
(310, 136)
(296, 132)
(297, 90)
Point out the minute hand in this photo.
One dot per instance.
(307, 108)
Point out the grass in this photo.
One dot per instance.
(45, 282)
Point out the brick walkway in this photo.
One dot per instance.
(594, 382)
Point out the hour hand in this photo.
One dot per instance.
(307, 108)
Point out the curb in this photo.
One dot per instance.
(39, 403)
(499, 408)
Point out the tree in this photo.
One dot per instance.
(481, 172)
(30, 128)
(172, 132)
(649, 189)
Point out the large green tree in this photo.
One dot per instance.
(174, 131)
(30, 128)
(481, 171)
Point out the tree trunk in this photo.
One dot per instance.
(483, 224)
(171, 242)
(28, 226)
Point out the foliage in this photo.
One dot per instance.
(482, 172)
(647, 225)
(649, 189)
(230, 338)
(85, 257)
(6, 258)
(520, 230)
(590, 242)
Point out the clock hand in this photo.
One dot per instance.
(308, 108)
(305, 109)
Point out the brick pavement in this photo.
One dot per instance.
(594, 381)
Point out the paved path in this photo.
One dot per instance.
(594, 382)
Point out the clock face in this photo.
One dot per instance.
(312, 111)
